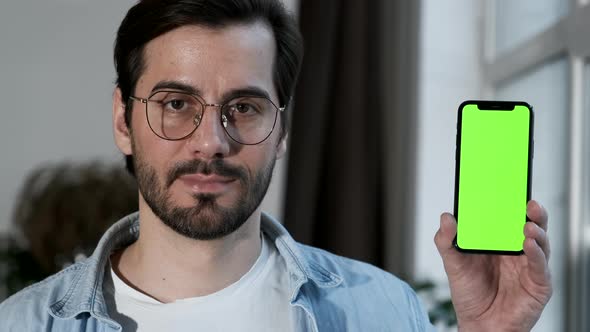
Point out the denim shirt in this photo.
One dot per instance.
(336, 293)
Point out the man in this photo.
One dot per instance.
(199, 109)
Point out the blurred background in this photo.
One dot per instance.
(371, 161)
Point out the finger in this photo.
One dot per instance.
(538, 267)
(445, 234)
(533, 231)
(537, 214)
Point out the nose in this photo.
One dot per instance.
(209, 139)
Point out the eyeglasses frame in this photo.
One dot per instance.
(205, 104)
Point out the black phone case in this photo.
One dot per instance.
(491, 105)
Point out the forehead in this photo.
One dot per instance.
(212, 60)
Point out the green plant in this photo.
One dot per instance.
(441, 309)
(61, 212)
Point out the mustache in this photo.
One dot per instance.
(198, 166)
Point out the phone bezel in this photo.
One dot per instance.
(492, 106)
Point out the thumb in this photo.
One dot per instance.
(445, 235)
(453, 261)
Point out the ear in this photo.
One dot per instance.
(282, 146)
(121, 132)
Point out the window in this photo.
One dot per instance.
(537, 51)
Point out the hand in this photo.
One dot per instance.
(498, 292)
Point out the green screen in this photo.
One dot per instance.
(493, 176)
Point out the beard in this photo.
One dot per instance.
(206, 219)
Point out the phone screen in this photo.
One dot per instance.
(493, 174)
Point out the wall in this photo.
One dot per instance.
(56, 85)
(449, 74)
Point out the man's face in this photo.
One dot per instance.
(205, 186)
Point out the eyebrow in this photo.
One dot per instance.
(245, 91)
(183, 87)
(175, 85)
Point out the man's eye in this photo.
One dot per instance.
(176, 104)
(243, 108)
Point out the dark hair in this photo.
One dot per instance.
(149, 19)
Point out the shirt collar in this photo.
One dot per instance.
(86, 291)
(301, 264)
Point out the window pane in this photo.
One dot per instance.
(517, 21)
(547, 90)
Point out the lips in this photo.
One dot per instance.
(211, 183)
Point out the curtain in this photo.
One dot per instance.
(351, 156)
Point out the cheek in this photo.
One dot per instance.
(152, 150)
(260, 156)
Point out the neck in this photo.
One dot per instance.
(168, 266)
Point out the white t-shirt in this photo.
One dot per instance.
(259, 301)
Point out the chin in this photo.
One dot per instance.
(225, 200)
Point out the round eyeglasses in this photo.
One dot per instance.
(174, 115)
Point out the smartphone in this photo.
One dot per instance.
(494, 153)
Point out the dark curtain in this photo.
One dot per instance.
(339, 183)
